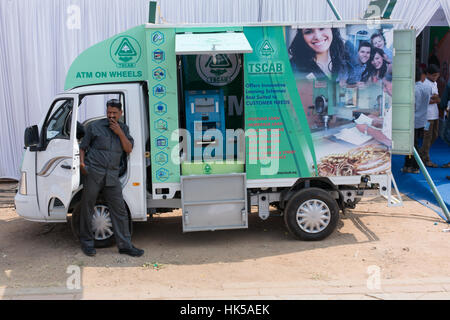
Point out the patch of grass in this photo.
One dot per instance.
(153, 265)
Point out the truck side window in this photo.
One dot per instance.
(93, 106)
(58, 126)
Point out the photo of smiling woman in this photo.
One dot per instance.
(319, 53)
(377, 68)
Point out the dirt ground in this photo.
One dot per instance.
(405, 243)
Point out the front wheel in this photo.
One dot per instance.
(311, 214)
(101, 225)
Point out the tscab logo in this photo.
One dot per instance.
(125, 51)
(266, 49)
(218, 70)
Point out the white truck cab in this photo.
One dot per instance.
(50, 170)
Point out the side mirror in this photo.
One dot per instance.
(31, 137)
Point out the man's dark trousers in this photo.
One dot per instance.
(119, 215)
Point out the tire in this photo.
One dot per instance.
(108, 239)
(311, 214)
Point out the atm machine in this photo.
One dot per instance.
(205, 121)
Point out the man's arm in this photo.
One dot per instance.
(127, 145)
(82, 164)
(84, 145)
(435, 99)
(375, 133)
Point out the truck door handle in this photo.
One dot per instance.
(64, 166)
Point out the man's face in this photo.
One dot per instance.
(423, 76)
(433, 77)
(364, 54)
(113, 113)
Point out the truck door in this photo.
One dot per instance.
(58, 159)
(403, 79)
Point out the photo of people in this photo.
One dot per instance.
(379, 41)
(359, 63)
(344, 78)
(376, 68)
(319, 54)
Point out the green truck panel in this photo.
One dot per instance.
(270, 98)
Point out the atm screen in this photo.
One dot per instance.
(204, 105)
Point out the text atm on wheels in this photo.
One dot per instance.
(226, 118)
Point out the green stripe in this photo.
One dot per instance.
(298, 124)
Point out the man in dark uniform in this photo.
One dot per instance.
(100, 151)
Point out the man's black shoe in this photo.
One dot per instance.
(89, 251)
(134, 252)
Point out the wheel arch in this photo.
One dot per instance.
(76, 198)
(323, 183)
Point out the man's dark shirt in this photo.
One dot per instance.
(103, 151)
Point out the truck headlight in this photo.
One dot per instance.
(23, 183)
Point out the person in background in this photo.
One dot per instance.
(445, 107)
(360, 63)
(422, 94)
(319, 54)
(431, 130)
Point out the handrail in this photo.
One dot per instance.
(432, 185)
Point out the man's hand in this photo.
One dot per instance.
(377, 122)
(376, 134)
(362, 127)
(435, 99)
(115, 127)
(83, 168)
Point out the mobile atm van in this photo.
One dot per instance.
(226, 118)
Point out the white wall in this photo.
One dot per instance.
(40, 39)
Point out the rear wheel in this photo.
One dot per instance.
(311, 214)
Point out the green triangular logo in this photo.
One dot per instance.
(125, 51)
(266, 48)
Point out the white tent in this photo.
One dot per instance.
(40, 39)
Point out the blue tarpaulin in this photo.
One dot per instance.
(415, 186)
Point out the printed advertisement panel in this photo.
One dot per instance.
(328, 91)
(344, 78)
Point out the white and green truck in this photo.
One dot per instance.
(226, 118)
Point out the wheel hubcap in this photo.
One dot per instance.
(101, 223)
(313, 216)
